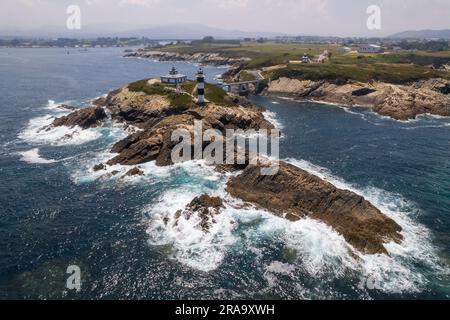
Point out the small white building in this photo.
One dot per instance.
(370, 48)
(345, 50)
(174, 77)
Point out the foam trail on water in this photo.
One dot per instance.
(395, 273)
(33, 157)
(40, 131)
(189, 243)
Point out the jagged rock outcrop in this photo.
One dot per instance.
(158, 119)
(134, 172)
(99, 167)
(145, 146)
(401, 102)
(205, 207)
(294, 193)
(84, 118)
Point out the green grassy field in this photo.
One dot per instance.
(390, 73)
(181, 99)
(389, 67)
(262, 55)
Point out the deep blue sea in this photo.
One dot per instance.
(56, 212)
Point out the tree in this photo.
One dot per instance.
(208, 39)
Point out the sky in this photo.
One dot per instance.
(306, 17)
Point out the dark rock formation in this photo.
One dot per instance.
(205, 207)
(143, 147)
(444, 89)
(99, 167)
(363, 92)
(67, 107)
(134, 172)
(84, 118)
(294, 193)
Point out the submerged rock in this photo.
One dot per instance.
(206, 207)
(134, 172)
(294, 193)
(84, 118)
(99, 167)
(67, 107)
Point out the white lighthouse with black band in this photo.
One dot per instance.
(200, 86)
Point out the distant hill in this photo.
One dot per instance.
(423, 34)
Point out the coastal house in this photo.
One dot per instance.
(370, 48)
(345, 50)
(174, 77)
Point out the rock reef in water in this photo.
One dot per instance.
(401, 102)
(291, 193)
(205, 207)
(85, 118)
(294, 194)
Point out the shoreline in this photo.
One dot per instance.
(207, 59)
(398, 102)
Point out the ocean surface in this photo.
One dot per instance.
(56, 212)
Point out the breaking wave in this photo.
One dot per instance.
(39, 131)
(320, 250)
(33, 157)
(397, 272)
(272, 118)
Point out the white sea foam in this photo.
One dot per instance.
(395, 273)
(53, 105)
(272, 118)
(321, 251)
(40, 131)
(189, 244)
(85, 173)
(33, 157)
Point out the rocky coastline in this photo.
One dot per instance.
(211, 59)
(291, 193)
(400, 102)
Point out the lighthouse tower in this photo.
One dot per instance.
(200, 86)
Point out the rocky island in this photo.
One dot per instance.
(155, 110)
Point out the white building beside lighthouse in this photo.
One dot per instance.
(174, 77)
(200, 86)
